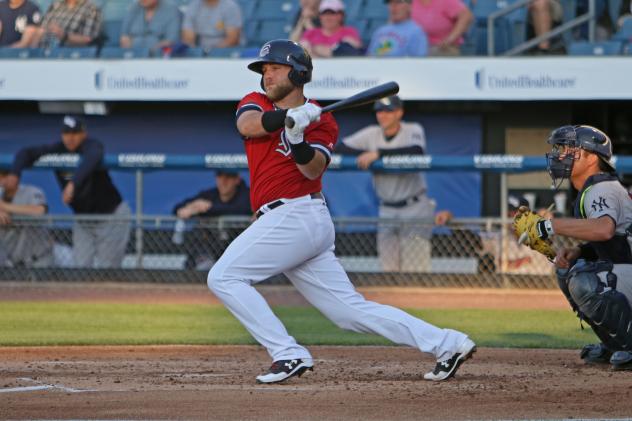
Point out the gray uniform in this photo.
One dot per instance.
(23, 243)
(210, 23)
(402, 196)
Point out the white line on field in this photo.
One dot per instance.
(42, 386)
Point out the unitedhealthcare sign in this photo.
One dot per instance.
(485, 80)
(140, 82)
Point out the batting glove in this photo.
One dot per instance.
(302, 116)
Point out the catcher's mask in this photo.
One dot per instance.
(566, 141)
(289, 53)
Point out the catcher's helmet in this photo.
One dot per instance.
(580, 136)
(284, 51)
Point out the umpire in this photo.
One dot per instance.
(87, 190)
(596, 277)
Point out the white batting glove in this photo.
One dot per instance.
(302, 116)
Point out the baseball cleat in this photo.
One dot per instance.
(595, 354)
(284, 369)
(621, 360)
(446, 369)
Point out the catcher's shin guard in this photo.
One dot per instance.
(606, 310)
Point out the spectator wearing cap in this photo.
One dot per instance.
(445, 22)
(69, 23)
(212, 24)
(19, 20)
(402, 195)
(87, 190)
(333, 38)
(401, 36)
(151, 24)
(230, 196)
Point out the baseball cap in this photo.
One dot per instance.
(227, 172)
(335, 5)
(514, 202)
(390, 103)
(73, 124)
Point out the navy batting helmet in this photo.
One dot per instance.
(284, 51)
(580, 136)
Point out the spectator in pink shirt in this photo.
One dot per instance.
(332, 38)
(445, 22)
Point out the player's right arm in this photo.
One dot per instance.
(26, 157)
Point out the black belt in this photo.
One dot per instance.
(280, 202)
(402, 203)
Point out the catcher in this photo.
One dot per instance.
(595, 277)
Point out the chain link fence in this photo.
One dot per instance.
(464, 253)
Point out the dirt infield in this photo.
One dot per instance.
(358, 383)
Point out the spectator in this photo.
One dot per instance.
(212, 24)
(544, 14)
(68, 23)
(306, 19)
(332, 38)
(401, 36)
(151, 24)
(624, 13)
(402, 195)
(87, 190)
(22, 245)
(18, 22)
(445, 22)
(231, 196)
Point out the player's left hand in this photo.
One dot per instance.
(534, 231)
(302, 116)
(365, 159)
(68, 193)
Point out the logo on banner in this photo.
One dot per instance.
(498, 161)
(98, 79)
(2, 83)
(120, 83)
(487, 80)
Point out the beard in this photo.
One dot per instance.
(279, 91)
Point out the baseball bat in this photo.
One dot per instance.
(361, 98)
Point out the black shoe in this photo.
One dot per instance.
(284, 369)
(595, 354)
(621, 360)
(446, 369)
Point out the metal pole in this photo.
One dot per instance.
(504, 238)
(490, 36)
(139, 219)
(593, 20)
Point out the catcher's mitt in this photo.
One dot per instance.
(525, 227)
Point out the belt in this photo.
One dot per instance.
(402, 203)
(272, 205)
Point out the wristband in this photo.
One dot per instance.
(545, 229)
(273, 120)
(302, 152)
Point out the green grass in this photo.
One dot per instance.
(45, 323)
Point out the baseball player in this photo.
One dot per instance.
(596, 277)
(87, 190)
(402, 195)
(294, 234)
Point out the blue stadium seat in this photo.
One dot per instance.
(606, 48)
(70, 53)
(115, 9)
(248, 52)
(352, 9)
(126, 53)
(229, 52)
(276, 9)
(250, 29)
(248, 8)
(371, 26)
(270, 29)
(43, 4)
(25, 53)
(614, 6)
(509, 30)
(112, 32)
(194, 52)
(374, 9)
(625, 33)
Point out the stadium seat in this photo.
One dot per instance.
(509, 30)
(248, 8)
(371, 26)
(276, 9)
(25, 53)
(374, 9)
(248, 52)
(229, 52)
(70, 53)
(250, 30)
(606, 48)
(112, 32)
(625, 33)
(43, 5)
(352, 9)
(123, 53)
(115, 9)
(614, 6)
(270, 29)
(193, 52)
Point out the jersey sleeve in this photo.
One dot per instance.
(252, 101)
(361, 139)
(602, 200)
(323, 135)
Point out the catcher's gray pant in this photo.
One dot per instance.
(297, 239)
(101, 244)
(405, 247)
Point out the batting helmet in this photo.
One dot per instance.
(289, 53)
(580, 136)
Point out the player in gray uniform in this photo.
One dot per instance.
(23, 245)
(402, 195)
(596, 277)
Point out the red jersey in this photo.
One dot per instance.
(273, 172)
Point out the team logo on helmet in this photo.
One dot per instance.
(265, 50)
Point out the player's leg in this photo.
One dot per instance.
(112, 238)
(83, 243)
(622, 360)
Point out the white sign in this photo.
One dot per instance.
(435, 79)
